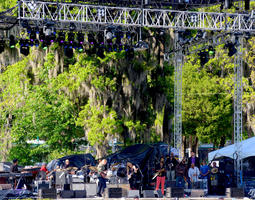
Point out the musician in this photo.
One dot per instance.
(14, 166)
(193, 159)
(171, 164)
(193, 175)
(135, 178)
(160, 169)
(181, 171)
(101, 168)
(44, 168)
(67, 164)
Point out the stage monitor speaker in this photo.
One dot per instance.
(148, 194)
(43, 186)
(91, 189)
(197, 193)
(47, 193)
(80, 193)
(133, 193)
(235, 192)
(67, 194)
(159, 194)
(78, 186)
(175, 192)
(67, 187)
(114, 192)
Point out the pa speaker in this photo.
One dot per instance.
(80, 193)
(175, 192)
(91, 189)
(48, 193)
(235, 192)
(133, 193)
(67, 194)
(114, 192)
(148, 194)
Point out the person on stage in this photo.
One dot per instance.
(193, 159)
(193, 175)
(171, 164)
(204, 173)
(135, 178)
(160, 169)
(14, 166)
(101, 168)
(181, 171)
(67, 164)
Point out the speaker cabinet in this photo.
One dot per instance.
(91, 189)
(80, 193)
(148, 194)
(197, 193)
(114, 192)
(175, 192)
(67, 194)
(47, 193)
(235, 192)
(133, 193)
(78, 186)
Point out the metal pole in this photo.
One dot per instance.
(178, 59)
(238, 91)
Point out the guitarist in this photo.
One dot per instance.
(101, 168)
(161, 172)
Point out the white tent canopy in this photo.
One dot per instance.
(248, 149)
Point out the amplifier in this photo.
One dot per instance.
(175, 192)
(47, 193)
(67, 194)
(78, 186)
(197, 193)
(80, 193)
(133, 194)
(148, 194)
(235, 192)
(91, 189)
(114, 192)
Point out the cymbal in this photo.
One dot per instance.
(93, 168)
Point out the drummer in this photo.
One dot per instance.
(67, 164)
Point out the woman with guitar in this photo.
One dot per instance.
(161, 175)
(101, 169)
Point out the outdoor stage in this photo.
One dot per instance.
(193, 198)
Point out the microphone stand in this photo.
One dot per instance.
(141, 185)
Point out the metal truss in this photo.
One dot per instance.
(238, 91)
(141, 17)
(178, 59)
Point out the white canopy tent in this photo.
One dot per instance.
(248, 149)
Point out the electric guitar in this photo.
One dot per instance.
(157, 173)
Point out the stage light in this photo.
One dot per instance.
(141, 45)
(109, 35)
(12, 42)
(80, 38)
(231, 49)
(100, 38)
(211, 51)
(72, 27)
(48, 31)
(204, 57)
(68, 51)
(80, 48)
(1, 46)
(32, 35)
(36, 42)
(61, 38)
(128, 35)
(130, 53)
(100, 51)
(41, 35)
(24, 47)
(91, 39)
(71, 37)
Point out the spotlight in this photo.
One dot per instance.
(100, 38)
(1, 46)
(204, 57)
(36, 42)
(91, 39)
(211, 51)
(72, 27)
(80, 38)
(108, 35)
(41, 35)
(231, 49)
(12, 42)
(24, 47)
(61, 38)
(68, 51)
(80, 48)
(100, 51)
(71, 37)
(141, 45)
(32, 35)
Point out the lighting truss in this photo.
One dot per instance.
(139, 17)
